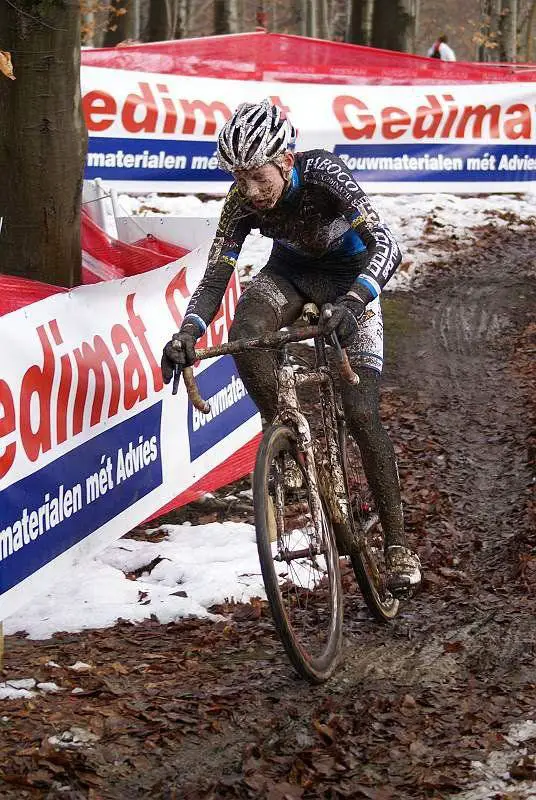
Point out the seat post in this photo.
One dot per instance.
(283, 358)
(320, 350)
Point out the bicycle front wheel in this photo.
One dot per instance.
(367, 554)
(299, 559)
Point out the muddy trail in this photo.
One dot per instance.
(417, 709)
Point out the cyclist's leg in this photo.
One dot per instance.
(362, 409)
(269, 303)
(361, 404)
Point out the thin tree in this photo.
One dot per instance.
(529, 31)
(390, 24)
(42, 141)
(360, 26)
(123, 22)
(226, 16)
(508, 29)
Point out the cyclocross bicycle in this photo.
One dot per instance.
(312, 504)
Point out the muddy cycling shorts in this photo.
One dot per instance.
(278, 293)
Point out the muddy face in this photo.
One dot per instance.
(262, 186)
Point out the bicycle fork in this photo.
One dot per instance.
(289, 414)
(324, 484)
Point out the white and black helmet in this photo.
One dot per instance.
(256, 134)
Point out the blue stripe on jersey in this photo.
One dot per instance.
(294, 183)
(351, 243)
(372, 287)
(196, 318)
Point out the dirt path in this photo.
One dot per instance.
(196, 710)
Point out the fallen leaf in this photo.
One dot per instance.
(453, 647)
(324, 730)
(6, 67)
(409, 701)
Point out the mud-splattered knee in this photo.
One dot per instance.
(252, 319)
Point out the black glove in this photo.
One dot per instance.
(180, 351)
(345, 315)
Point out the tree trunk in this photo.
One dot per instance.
(87, 34)
(529, 35)
(222, 17)
(490, 14)
(323, 19)
(368, 16)
(122, 26)
(159, 26)
(233, 16)
(313, 5)
(508, 28)
(102, 14)
(356, 29)
(182, 25)
(412, 8)
(392, 24)
(42, 141)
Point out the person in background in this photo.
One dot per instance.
(440, 49)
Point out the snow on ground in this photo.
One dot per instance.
(417, 220)
(494, 774)
(193, 568)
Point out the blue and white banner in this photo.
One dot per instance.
(91, 442)
(158, 132)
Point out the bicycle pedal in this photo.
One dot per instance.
(403, 592)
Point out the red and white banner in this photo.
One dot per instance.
(153, 131)
(264, 56)
(91, 442)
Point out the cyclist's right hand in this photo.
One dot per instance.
(180, 351)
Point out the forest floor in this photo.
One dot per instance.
(439, 704)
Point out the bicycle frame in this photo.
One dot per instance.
(331, 480)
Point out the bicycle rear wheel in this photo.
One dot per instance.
(367, 555)
(300, 565)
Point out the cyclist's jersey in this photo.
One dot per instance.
(324, 221)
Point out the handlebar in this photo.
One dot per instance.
(268, 341)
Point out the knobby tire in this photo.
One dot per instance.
(366, 563)
(279, 441)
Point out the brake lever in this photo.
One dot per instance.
(334, 341)
(176, 379)
(346, 370)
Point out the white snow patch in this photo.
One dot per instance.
(494, 777)
(49, 687)
(25, 687)
(201, 565)
(73, 739)
(417, 220)
(13, 690)
(80, 666)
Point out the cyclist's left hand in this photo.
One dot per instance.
(345, 315)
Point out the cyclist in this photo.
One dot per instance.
(330, 246)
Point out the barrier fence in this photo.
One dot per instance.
(91, 442)
(399, 122)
